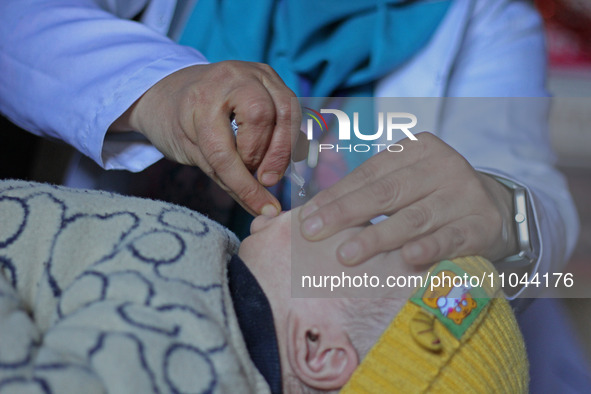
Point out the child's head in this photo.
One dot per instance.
(322, 341)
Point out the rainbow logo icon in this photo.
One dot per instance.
(318, 118)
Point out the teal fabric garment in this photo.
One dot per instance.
(337, 45)
(321, 48)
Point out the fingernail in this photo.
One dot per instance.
(349, 252)
(270, 210)
(269, 178)
(312, 226)
(308, 209)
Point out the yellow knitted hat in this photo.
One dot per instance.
(449, 339)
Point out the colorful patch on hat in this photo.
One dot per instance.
(448, 294)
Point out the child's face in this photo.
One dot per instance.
(274, 252)
(272, 241)
(277, 253)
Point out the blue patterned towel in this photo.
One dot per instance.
(104, 293)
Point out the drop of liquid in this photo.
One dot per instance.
(302, 192)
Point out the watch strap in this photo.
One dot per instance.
(522, 221)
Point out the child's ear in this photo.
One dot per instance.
(322, 356)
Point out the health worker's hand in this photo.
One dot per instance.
(438, 206)
(187, 117)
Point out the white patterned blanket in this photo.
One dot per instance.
(104, 293)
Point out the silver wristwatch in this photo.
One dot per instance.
(524, 227)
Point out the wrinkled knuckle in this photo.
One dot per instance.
(325, 196)
(283, 112)
(225, 69)
(367, 171)
(217, 155)
(279, 157)
(385, 191)
(259, 112)
(248, 192)
(251, 158)
(267, 68)
(338, 209)
(457, 237)
(416, 217)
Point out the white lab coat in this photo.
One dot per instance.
(100, 63)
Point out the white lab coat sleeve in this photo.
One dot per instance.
(72, 67)
(503, 55)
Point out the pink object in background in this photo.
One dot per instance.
(331, 166)
(568, 30)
